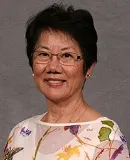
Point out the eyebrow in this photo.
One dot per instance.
(66, 48)
(45, 47)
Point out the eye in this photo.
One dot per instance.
(43, 54)
(67, 55)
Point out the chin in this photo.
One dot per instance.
(55, 98)
(54, 95)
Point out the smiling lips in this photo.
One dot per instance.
(54, 81)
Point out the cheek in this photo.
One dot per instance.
(76, 73)
(38, 69)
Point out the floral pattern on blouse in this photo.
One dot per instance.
(95, 140)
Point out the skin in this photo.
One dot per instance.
(65, 101)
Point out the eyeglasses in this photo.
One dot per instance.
(64, 58)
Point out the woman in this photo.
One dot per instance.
(62, 51)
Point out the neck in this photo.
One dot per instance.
(65, 111)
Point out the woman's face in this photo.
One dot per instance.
(57, 81)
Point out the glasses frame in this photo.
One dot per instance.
(78, 58)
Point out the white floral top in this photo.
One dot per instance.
(33, 139)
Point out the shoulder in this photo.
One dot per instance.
(109, 130)
(104, 129)
(23, 128)
(27, 122)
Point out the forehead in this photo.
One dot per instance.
(58, 39)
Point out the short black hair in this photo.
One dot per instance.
(76, 23)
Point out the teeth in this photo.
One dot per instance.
(55, 82)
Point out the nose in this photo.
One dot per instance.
(54, 65)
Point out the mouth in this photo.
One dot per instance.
(54, 82)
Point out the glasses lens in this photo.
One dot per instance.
(43, 56)
(67, 58)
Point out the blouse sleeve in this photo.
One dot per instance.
(112, 150)
(112, 143)
(9, 149)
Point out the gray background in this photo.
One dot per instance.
(107, 90)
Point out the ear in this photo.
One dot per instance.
(89, 71)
